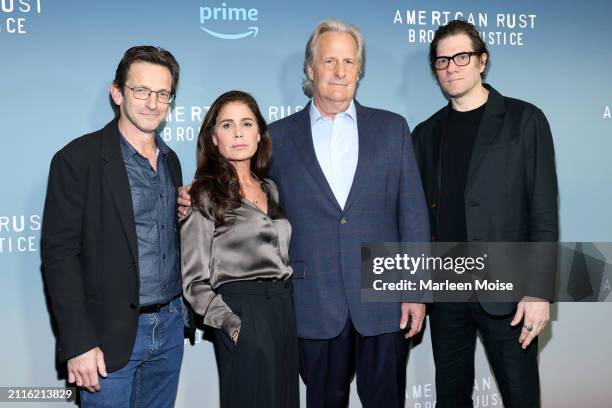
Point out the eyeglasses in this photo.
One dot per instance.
(460, 59)
(141, 92)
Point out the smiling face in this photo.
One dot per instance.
(334, 72)
(235, 132)
(137, 115)
(460, 82)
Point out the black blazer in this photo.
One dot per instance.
(89, 247)
(511, 187)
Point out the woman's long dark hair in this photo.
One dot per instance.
(216, 178)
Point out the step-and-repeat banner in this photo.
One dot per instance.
(57, 59)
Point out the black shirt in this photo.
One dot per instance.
(458, 135)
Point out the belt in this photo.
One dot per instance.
(267, 280)
(261, 287)
(156, 308)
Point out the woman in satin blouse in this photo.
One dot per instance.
(234, 247)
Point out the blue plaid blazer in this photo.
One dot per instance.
(385, 204)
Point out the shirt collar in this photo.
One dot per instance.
(161, 145)
(128, 151)
(315, 115)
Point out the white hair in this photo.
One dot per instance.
(331, 26)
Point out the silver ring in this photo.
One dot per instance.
(528, 328)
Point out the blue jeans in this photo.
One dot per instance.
(150, 377)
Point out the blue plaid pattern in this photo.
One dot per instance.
(385, 204)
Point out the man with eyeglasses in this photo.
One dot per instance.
(110, 245)
(488, 170)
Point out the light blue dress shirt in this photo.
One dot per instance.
(336, 144)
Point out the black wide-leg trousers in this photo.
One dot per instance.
(261, 369)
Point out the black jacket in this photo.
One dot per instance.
(511, 187)
(89, 247)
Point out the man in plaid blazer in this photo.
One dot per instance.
(346, 175)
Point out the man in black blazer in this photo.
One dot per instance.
(110, 245)
(488, 169)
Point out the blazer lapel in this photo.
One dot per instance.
(436, 135)
(492, 120)
(302, 138)
(366, 133)
(119, 185)
(174, 171)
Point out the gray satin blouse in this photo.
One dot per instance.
(249, 246)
